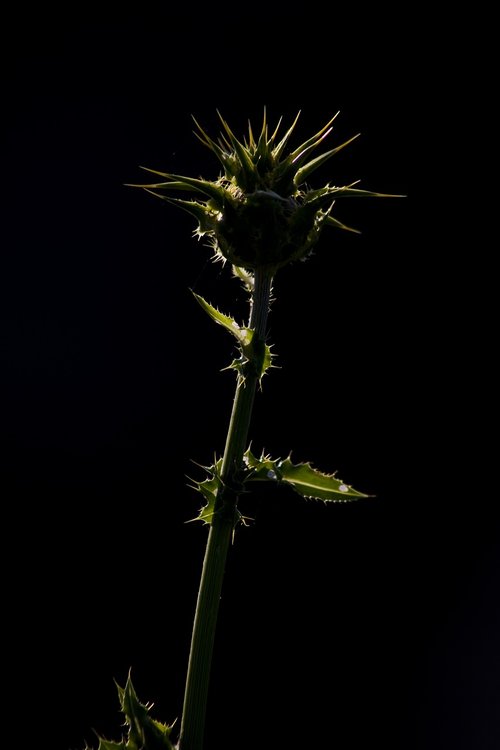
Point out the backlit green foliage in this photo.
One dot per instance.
(143, 732)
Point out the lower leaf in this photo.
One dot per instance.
(303, 478)
(144, 733)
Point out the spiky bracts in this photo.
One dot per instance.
(260, 213)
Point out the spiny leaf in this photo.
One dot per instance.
(245, 277)
(242, 335)
(310, 482)
(254, 349)
(144, 733)
(209, 488)
(261, 357)
(261, 469)
(302, 477)
(260, 360)
(106, 745)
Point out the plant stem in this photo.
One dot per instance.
(219, 538)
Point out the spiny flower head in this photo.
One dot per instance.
(260, 212)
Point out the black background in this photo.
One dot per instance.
(340, 626)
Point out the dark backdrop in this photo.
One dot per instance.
(374, 623)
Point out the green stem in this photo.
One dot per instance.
(219, 538)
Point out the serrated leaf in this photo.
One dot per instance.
(303, 478)
(309, 482)
(262, 357)
(144, 732)
(106, 745)
(209, 488)
(245, 277)
(163, 728)
(254, 349)
(260, 468)
(242, 335)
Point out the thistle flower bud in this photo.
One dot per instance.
(260, 213)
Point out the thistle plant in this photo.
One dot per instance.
(259, 215)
